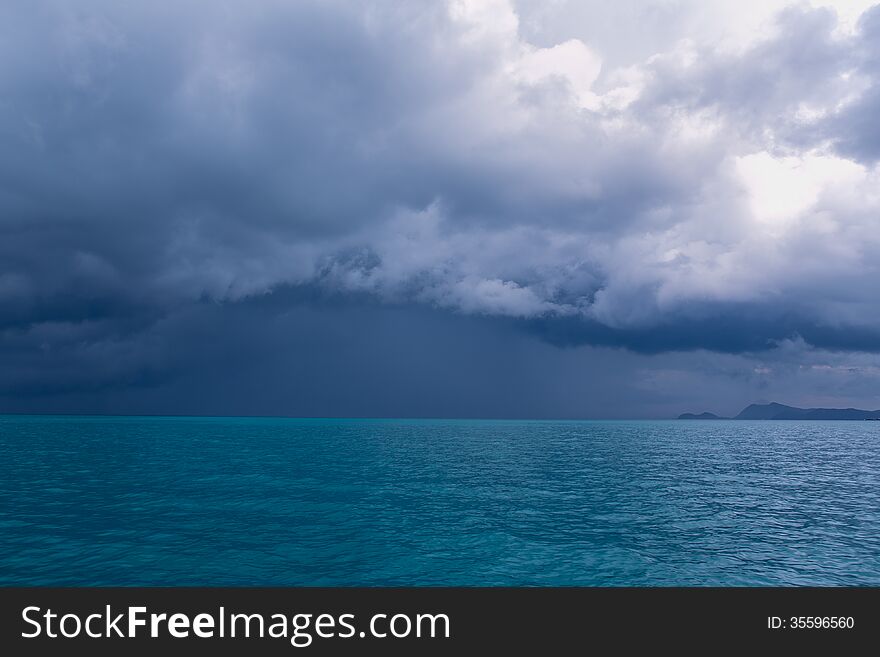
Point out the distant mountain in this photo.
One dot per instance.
(771, 411)
(774, 411)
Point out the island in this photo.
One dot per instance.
(700, 416)
(774, 411)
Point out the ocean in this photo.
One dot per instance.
(273, 501)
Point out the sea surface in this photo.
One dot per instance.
(266, 501)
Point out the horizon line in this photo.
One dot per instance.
(328, 417)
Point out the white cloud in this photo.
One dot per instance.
(570, 61)
(781, 189)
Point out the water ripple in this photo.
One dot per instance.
(243, 501)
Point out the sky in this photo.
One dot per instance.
(473, 208)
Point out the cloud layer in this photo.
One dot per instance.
(705, 185)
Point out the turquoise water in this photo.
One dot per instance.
(261, 501)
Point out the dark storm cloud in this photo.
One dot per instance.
(169, 176)
(297, 353)
(734, 330)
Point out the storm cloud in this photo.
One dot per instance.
(209, 188)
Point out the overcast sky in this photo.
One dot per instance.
(542, 208)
